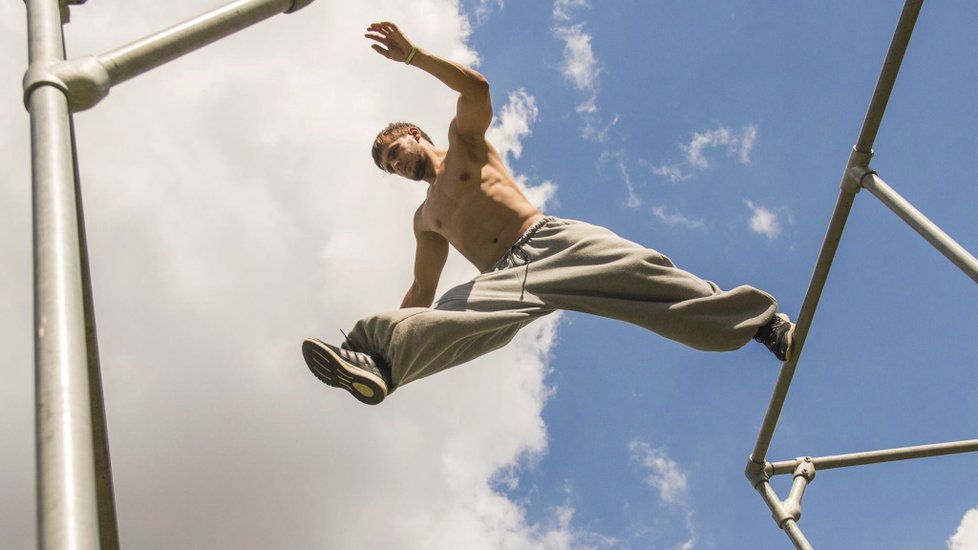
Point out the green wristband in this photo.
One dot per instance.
(410, 57)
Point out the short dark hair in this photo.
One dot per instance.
(393, 131)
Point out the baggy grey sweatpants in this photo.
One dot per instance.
(563, 264)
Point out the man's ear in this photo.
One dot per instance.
(415, 133)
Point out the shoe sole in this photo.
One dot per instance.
(333, 370)
(790, 336)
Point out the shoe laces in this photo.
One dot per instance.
(349, 345)
(378, 361)
(768, 334)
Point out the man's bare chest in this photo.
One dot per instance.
(443, 204)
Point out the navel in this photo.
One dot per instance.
(495, 241)
(464, 176)
(438, 224)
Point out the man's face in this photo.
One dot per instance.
(405, 157)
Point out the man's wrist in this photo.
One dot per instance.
(410, 57)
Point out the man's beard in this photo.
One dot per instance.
(418, 174)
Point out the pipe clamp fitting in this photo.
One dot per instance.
(84, 81)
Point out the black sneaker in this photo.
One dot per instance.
(777, 335)
(364, 375)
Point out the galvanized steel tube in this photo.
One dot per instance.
(150, 52)
(859, 157)
(921, 224)
(888, 74)
(876, 457)
(782, 518)
(815, 287)
(796, 536)
(66, 485)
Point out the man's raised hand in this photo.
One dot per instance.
(395, 46)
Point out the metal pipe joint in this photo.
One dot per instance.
(756, 472)
(803, 475)
(84, 81)
(790, 508)
(65, 12)
(297, 5)
(857, 160)
(856, 175)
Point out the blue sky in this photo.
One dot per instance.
(877, 371)
(232, 211)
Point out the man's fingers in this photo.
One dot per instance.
(395, 45)
(386, 28)
(376, 37)
(383, 27)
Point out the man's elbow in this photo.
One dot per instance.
(424, 299)
(478, 85)
(417, 296)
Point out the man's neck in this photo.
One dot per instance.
(435, 160)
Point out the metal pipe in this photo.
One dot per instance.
(888, 74)
(875, 457)
(774, 503)
(927, 229)
(105, 492)
(155, 50)
(87, 80)
(858, 157)
(796, 536)
(75, 501)
(822, 266)
(66, 486)
(784, 519)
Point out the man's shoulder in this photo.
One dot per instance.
(421, 225)
(465, 140)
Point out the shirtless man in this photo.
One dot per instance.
(530, 265)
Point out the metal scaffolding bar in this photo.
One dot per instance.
(66, 483)
(155, 50)
(75, 502)
(876, 457)
(927, 229)
(888, 75)
(860, 156)
(829, 246)
(857, 175)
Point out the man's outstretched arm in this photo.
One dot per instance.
(474, 111)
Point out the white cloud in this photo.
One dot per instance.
(747, 138)
(233, 210)
(676, 218)
(666, 476)
(663, 474)
(966, 537)
(620, 161)
(668, 170)
(579, 66)
(483, 9)
(703, 140)
(513, 122)
(737, 144)
(562, 8)
(764, 221)
(595, 129)
(507, 132)
(583, 70)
